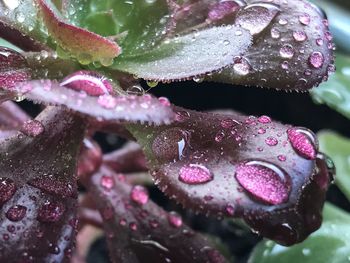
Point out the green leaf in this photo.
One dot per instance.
(338, 148)
(143, 21)
(336, 91)
(189, 56)
(329, 244)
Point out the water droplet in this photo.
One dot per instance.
(319, 41)
(11, 4)
(107, 101)
(271, 141)
(7, 190)
(219, 136)
(228, 123)
(171, 144)
(306, 251)
(106, 62)
(287, 51)
(222, 9)
(152, 84)
(84, 58)
(264, 181)
(90, 82)
(153, 223)
(195, 174)
(285, 65)
(316, 59)
(32, 128)
(135, 90)
(304, 142)
(16, 213)
(175, 219)
(282, 158)
(133, 226)
(20, 17)
(299, 36)
(198, 79)
(107, 182)
(164, 101)
(229, 210)
(264, 119)
(182, 116)
(304, 19)
(275, 33)
(241, 66)
(139, 195)
(51, 211)
(256, 17)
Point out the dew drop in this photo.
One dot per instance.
(241, 66)
(316, 60)
(133, 226)
(287, 51)
(219, 136)
(16, 213)
(264, 119)
(275, 33)
(139, 195)
(299, 36)
(229, 210)
(135, 90)
(107, 182)
(51, 212)
(304, 142)
(282, 158)
(264, 181)
(152, 84)
(174, 219)
(271, 141)
(7, 190)
(195, 174)
(32, 128)
(304, 19)
(164, 101)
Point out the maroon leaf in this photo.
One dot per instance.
(13, 68)
(38, 195)
(292, 50)
(105, 107)
(137, 229)
(90, 158)
(11, 116)
(240, 166)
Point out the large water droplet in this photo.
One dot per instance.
(304, 19)
(51, 212)
(316, 59)
(256, 17)
(171, 144)
(32, 128)
(195, 174)
(304, 142)
(139, 195)
(16, 213)
(7, 190)
(264, 181)
(299, 36)
(241, 66)
(91, 82)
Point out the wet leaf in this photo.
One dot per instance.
(211, 162)
(106, 107)
(11, 116)
(338, 148)
(336, 91)
(189, 56)
(38, 189)
(137, 228)
(329, 244)
(86, 46)
(292, 50)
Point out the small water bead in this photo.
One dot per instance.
(122, 222)
(275, 33)
(299, 36)
(171, 144)
(135, 90)
(264, 119)
(139, 195)
(283, 21)
(271, 141)
(229, 210)
(175, 219)
(241, 66)
(164, 101)
(195, 174)
(316, 60)
(93, 83)
(285, 65)
(287, 51)
(304, 142)
(107, 182)
(20, 17)
(264, 181)
(51, 212)
(261, 131)
(282, 158)
(228, 123)
(133, 226)
(219, 136)
(7, 190)
(152, 84)
(16, 213)
(32, 128)
(304, 19)
(182, 116)
(319, 41)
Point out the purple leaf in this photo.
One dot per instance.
(240, 166)
(90, 158)
(38, 195)
(292, 50)
(105, 107)
(11, 116)
(137, 228)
